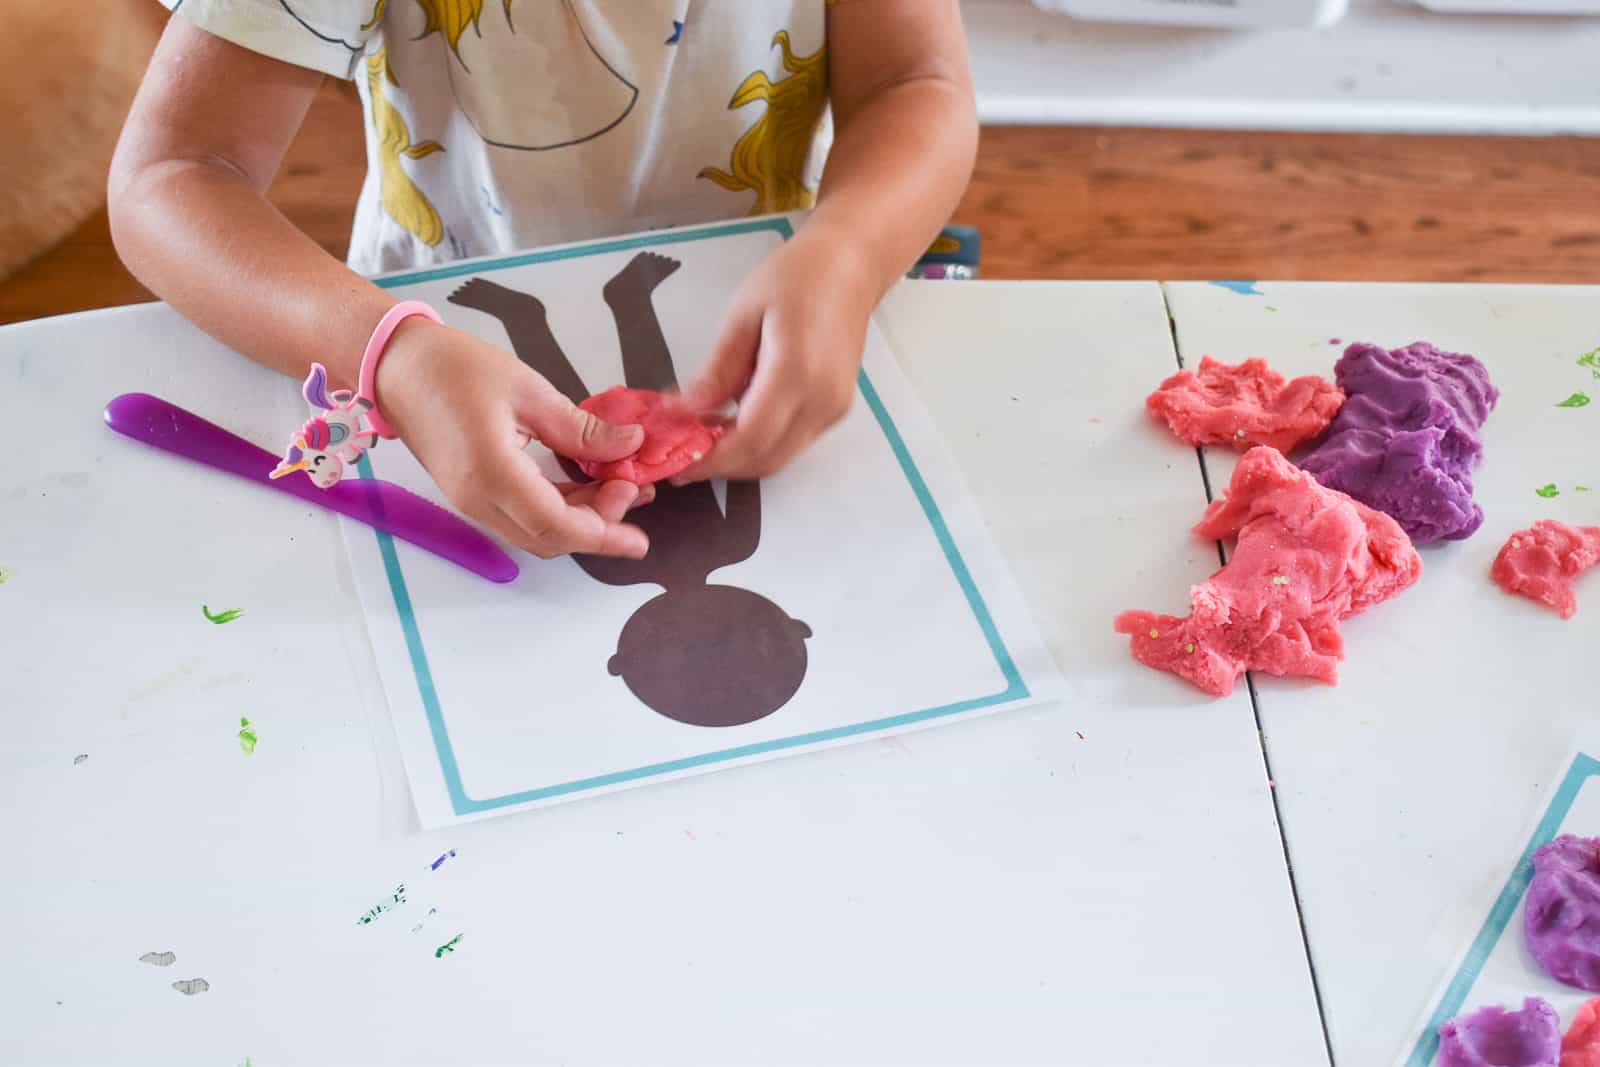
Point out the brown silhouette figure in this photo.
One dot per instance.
(707, 655)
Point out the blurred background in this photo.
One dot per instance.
(1372, 140)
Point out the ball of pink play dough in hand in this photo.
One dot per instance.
(1581, 1046)
(1561, 918)
(1498, 1037)
(674, 439)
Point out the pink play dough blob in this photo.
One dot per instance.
(1541, 562)
(1307, 557)
(1581, 1046)
(1244, 405)
(674, 439)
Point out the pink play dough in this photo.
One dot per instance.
(1581, 1046)
(1541, 562)
(1307, 557)
(1244, 405)
(673, 439)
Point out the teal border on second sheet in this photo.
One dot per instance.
(1016, 688)
(1583, 768)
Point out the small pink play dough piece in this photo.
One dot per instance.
(1244, 405)
(1307, 557)
(674, 439)
(1499, 1037)
(1541, 562)
(1581, 1046)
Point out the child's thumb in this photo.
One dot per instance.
(570, 431)
(728, 371)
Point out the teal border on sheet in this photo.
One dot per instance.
(1583, 768)
(1016, 688)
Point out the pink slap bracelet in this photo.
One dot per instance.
(377, 503)
(367, 385)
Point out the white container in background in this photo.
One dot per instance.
(1240, 14)
(1512, 7)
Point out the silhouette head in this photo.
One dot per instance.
(712, 655)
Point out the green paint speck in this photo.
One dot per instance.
(448, 946)
(4, 574)
(1271, 308)
(1576, 400)
(1189, 649)
(218, 620)
(1580, 488)
(1548, 491)
(1280, 580)
(1155, 633)
(1592, 361)
(247, 736)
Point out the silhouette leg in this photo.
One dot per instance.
(646, 360)
(523, 317)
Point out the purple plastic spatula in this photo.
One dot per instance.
(377, 503)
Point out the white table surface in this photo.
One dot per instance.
(1407, 789)
(995, 891)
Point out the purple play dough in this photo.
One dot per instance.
(1407, 439)
(1562, 920)
(1496, 1037)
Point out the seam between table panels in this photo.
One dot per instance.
(1261, 737)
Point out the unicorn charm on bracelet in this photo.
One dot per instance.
(336, 434)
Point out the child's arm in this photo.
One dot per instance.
(190, 217)
(905, 138)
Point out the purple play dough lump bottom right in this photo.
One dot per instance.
(1406, 440)
(1498, 1037)
(1561, 921)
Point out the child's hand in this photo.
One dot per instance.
(467, 409)
(790, 349)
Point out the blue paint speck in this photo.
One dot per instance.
(677, 32)
(1242, 288)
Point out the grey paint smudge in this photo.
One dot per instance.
(160, 959)
(190, 986)
(79, 758)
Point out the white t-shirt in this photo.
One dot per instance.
(497, 125)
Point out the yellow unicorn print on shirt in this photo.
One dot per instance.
(584, 95)
(770, 157)
(402, 200)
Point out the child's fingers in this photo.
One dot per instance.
(490, 515)
(611, 500)
(732, 358)
(552, 527)
(501, 523)
(568, 430)
(765, 419)
(583, 493)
